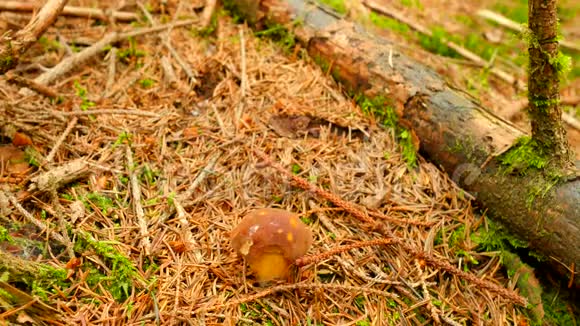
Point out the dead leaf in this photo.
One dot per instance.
(13, 160)
(101, 182)
(20, 139)
(178, 247)
(289, 125)
(191, 132)
(73, 263)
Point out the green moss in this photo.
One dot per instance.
(149, 175)
(132, 53)
(385, 114)
(437, 43)
(412, 4)
(280, 35)
(48, 44)
(556, 310)
(82, 93)
(146, 82)
(6, 63)
(48, 281)
(388, 23)
(211, 28)
(337, 5)
(33, 157)
(457, 236)
(515, 10)
(359, 302)
(495, 237)
(526, 154)
(121, 275)
(102, 202)
(5, 235)
(561, 63)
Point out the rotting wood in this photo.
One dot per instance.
(456, 132)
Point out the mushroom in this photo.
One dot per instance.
(271, 240)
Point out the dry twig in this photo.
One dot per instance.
(329, 253)
(207, 13)
(32, 220)
(72, 123)
(74, 61)
(12, 47)
(25, 82)
(166, 41)
(510, 24)
(136, 195)
(94, 13)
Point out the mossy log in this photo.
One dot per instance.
(12, 299)
(454, 130)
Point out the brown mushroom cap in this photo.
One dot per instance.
(271, 239)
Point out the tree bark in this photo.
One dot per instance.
(456, 132)
(543, 82)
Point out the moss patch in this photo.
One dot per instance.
(526, 154)
(122, 276)
(379, 108)
(336, 5)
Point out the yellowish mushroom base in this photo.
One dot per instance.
(270, 266)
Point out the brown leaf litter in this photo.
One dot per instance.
(173, 172)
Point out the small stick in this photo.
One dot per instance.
(25, 82)
(72, 123)
(329, 253)
(71, 62)
(136, 194)
(186, 195)
(168, 72)
(571, 120)
(32, 220)
(74, 61)
(95, 13)
(207, 13)
(172, 51)
(59, 176)
(11, 48)
(109, 111)
(62, 223)
(111, 72)
(170, 76)
(510, 24)
(426, 295)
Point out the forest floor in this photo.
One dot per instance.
(122, 181)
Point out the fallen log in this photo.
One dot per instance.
(454, 130)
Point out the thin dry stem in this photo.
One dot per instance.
(138, 208)
(329, 253)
